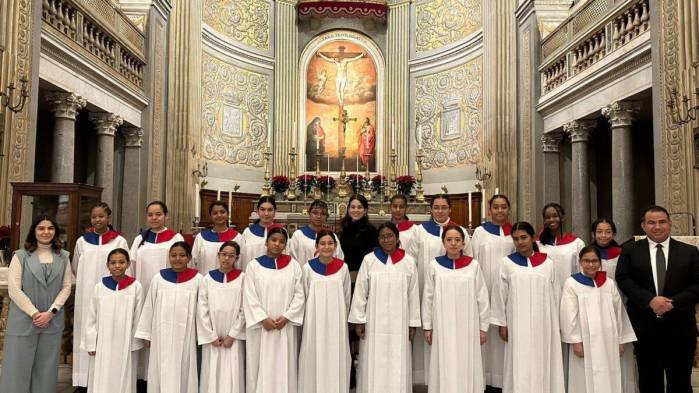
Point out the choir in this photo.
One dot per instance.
(259, 312)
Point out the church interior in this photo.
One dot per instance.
(593, 104)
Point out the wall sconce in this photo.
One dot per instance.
(689, 112)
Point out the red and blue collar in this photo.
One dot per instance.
(600, 279)
(561, 240)
(178, 278)
(326, 270)
(435, 229)
(218, 275)
(309, 232)
(494, 229)
(93, 238)
(257, 230)
(396, 257)
(151, 237)
(609, 252)
(125, 282)
(536, 259)
(217, 237)
(453, 264)
(269, 262)
(405, 225)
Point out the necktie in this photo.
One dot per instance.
(660, 267)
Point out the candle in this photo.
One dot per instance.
(470, 213)
(357, 162)
(269, 134)
(197, 206)
(483, 205)
(218, 194)
(230, 200)
(419, 137)
(393, 135)
(328, 164)
(293, 135)
(497, 191)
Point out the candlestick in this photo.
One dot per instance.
(291, 192)
(218, 193)
(230, 200)
(419, 191)
(470, 213)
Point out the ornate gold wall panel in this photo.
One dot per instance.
(235, 107)
(247, 22)
(449, 110)
(443, 22)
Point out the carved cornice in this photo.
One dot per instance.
(65, 105)
(132, 135)
(551, 142)
(106, 123)
(621, 113)
(580, 130)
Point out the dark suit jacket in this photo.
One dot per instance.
(634, 275)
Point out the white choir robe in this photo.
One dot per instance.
(272, 288)
(89, 266)
(490, 244)
(254, 238)
(146, 262)
(302, 245)
(206, 246)
(426, 245)
(592, 313)
(109, 332)
(325, 360)
(220, 314)
(168, 321)
(455, 306)
(386, 300)
(528, 305)
(406, 234)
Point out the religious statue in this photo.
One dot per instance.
(367, 141)
(341, 59)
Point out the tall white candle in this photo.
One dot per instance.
(357, 162)
(328, 164)
(393, 135)
(230, 201)
(419, 137)
(470, 212)
(269, 134)
(197, 201)
(497, 191)
(483, 205)
(317, 143)
(218, 193)
(293, 135)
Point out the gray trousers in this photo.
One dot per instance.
(30, 363)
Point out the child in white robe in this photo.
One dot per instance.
(255, 236)
(455, 318)
(91, 251)
(221, 325)
(208, 242)
(324, 360)
(302, 246)
(406, 228)
(273, 301)
(491, 242)
(386, 312)
(595, 324)
(527, 311)
(562, 247)
(110, 326)
(167, 325)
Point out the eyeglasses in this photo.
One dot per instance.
(224, 255)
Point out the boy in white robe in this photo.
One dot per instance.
(455, 318)
(302, 246)
(386, 312)
(273, 301)
(208, 242)
(110, 325)
(324, 360)
(221, 325)
(167, 325)
(255, 236)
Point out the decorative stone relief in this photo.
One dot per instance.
(449, 107)
(235, 106)
(247, 22)
(443, 22)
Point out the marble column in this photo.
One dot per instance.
(551, 144)
(106, 125)
(286, 77)
(621, 115)
(579, 132)
(65, 107)
(131, 188)
(397, 118)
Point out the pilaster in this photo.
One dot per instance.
(131, 203)
(550, 145)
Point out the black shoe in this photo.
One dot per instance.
(80, 389)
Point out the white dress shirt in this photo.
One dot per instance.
(652, 248)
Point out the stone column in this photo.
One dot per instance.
(550, 144)
(65, 107)
(131, 190)
(398, 84)
(106, 125)
(579, 132)
(621, 115)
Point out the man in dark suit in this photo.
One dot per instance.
(660, 277)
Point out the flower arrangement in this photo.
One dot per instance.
(377, 182)
(405, 184)
(326, 183)
(305, 182)
(280, 183)
(355, 181)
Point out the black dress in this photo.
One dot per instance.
(358, 239)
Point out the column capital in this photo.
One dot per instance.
(621, 113)
(579, 130)
(106, 123)
(551, 141)
(65, 104)
(132, 135)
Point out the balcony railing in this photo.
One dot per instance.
(588, 35)
(101, 30)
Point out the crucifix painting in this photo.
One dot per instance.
(341, 107)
